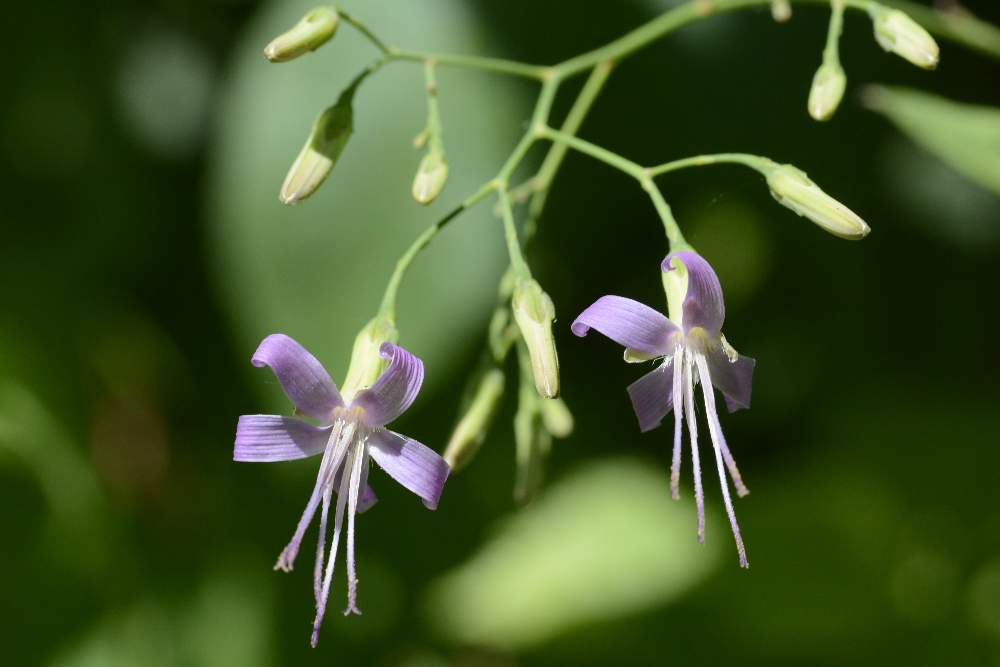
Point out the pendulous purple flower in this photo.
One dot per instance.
(690, 349)
(347, 435)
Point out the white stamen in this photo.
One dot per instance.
(338, 522)
(360, 463)
(692, 421)
(678, 399)
(715, 431)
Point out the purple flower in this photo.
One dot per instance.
(347, 435)
(690, 348)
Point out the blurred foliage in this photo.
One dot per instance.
(965, 136)
(145, 253)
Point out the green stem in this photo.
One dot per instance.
(633, 169)
(517, 263)
(831, 52)
(761, 164)
(674, 236)
(606, 156)
(500, 65)
(434, 131)
(388, 306)
(365, 32)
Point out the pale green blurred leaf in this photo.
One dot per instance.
(605, 542)
(965, 136)
(316, 271)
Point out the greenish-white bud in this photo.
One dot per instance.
(472, 427)
(792, 188)
(366, 359)
(557, 418)
(315, 161)
(431, 177)
(781, 10)
(827, 90)
(311, 32)
(534, 313)
(898, 33)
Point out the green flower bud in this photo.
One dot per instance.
(311, 32)
(431, 177)
(329, 135)
(898, 33)
(781, 10)
(827, 90)
(792, 188)
(534, 313)
(557, 418)
(471, 429)
(366, 360)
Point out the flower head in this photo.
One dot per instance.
(348, 434)
(689, 348)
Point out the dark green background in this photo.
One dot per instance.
(129, 536)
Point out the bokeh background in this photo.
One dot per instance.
(145, 254)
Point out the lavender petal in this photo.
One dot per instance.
(395, 390)
(652, 396)
(266, 438)
(417, 467)
(703, 304)
(628, 323)
(733, 379)
(305, 381)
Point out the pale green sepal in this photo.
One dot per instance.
(897, 33)
(312, 31)
(471, 429)
(636, 357)
(675, 285)
(534, 313)
(317, 158)
(792, 188)
(366, 359)
(827, 90)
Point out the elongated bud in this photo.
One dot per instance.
(311, 32)
(329, 135)
(472, 427)
(557, 418)
(792, 188)
(431, 177)
(827, 90)
(366, 361)
(781, 10)
(898, 33)
(534, 313)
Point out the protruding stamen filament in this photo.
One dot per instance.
(692, 421)
(716, 433)
(338, 523)
(332, 456)
(360, 463)
(678, 398)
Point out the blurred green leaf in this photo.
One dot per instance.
(603, 543)
(317, 270)
(965, 136)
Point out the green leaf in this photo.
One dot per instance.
(603, 543)
(316, 271)
(965, 136)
